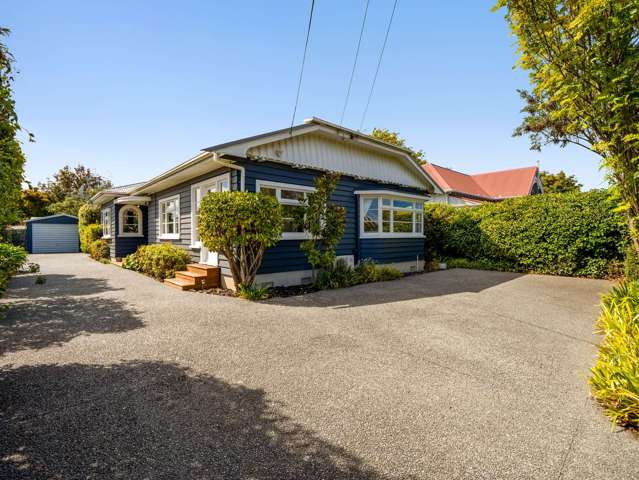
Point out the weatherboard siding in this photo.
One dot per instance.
(127, 245)
(287, 256)
(389, 250)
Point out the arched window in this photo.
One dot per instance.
(130, 221)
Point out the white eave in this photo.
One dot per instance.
(133, 200)
(391, 193)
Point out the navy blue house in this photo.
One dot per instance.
(381, 187)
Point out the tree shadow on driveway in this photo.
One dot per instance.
(24, 286)
(412, 287)
(153, 420)
(41, 323)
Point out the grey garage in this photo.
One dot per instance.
(53, 234)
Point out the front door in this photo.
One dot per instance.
(217, 184)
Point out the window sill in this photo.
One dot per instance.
(295, 236)
(195, 246)
(170, 236)
(392, 235)
(137, 235)
(106, 237)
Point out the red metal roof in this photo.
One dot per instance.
(516, 182)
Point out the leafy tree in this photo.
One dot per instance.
(583, 62)
(71, 188)
(324, 221)
(394, 139)
(559, 182)
(241, 226)
(11, 156)
(34, 203)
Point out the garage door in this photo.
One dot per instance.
(54, 238)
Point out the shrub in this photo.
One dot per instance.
(89, 234)
(88, 214)
(367, 271)
(631, 264)
(387, 273)
(615, 376)
(159, 260)
(578, 234)
(40, 280)
(99, 250)
(11, 260)
(240, 225)
(324, 221)
(251, 292)
(340, 274)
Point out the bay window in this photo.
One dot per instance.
(290, 197)
(170, 217)
(130, 221)
(391, 215)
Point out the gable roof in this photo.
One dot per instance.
(516, 182)
(315, 144)
(110, 193)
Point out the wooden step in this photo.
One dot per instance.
(198, 279)
(211, 273)
(180, 283)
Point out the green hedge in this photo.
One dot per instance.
(99, 250)
(11, 259)
(575, 234)
(89, 234)
(615, 376)
(159, 261)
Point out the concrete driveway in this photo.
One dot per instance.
(108, 374)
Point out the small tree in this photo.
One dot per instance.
(324, 221)
(393, 138)
(89, 225)
(241, 226)
(559, 182)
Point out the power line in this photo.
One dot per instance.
(350, 83)
(299, 83)
(379, 62)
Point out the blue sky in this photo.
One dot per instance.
(131, 88)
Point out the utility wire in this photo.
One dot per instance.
(379, 62)
(350, 83)
(299, 83)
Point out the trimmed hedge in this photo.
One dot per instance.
(615, 376)
(159, 260)
(89, 226)
(574, 234)
(11, 259)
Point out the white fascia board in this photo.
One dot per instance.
(133, 200)
(391, 193)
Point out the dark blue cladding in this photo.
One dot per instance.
(123, 246)
(286, 256)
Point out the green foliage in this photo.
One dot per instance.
(12, 258)
(160, 260)
(341, 275)
(88, 214)
(583, 63)
(70, 205)
(631, 264)
(393, 138)
(575, 234)
(559, 182)
(251, 292)
(88, 235)
(34, 203)
(241, 226)
(481, 264)
(11, 156)
(615, 376)
(99, 250)
(324, 221)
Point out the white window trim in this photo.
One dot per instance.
(138, 211)
(286, 186)
(169, 236)
(195, 244)
(102, 212)
(380, 196)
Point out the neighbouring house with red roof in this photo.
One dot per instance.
(461, 189)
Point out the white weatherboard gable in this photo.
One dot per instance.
(318, 151)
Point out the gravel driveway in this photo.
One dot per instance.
(108, 374)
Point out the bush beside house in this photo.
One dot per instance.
(99, 250)
(574, 234)
(89, 226)
(160, 260)
(11, 259)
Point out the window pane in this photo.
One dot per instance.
(386, 202)
(386, 215)
(370, 204)
(403, 227)
(292, 195)
(292, 216)
(223, 186)
(419, 205)
(267, 191)
(403, 216)
(386, 227)
(402, 204)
